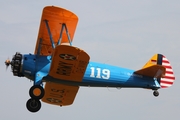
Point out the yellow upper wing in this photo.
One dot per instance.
(56, 17)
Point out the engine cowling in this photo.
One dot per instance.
(16, 64)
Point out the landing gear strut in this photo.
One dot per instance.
(156, 93)
(36, 92)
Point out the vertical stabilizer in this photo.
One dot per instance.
(159, 59)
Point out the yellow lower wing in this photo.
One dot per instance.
(69, 64)
(59, 94)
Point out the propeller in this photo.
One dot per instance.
(7, 63)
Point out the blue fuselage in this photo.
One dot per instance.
(96, 74)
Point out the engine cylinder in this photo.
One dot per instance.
(16, 65)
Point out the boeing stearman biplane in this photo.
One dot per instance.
(64, 67)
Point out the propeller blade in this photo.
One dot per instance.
(7, 63)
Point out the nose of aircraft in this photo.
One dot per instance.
(16, 64)
(7, 63)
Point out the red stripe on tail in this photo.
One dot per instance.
(169, 77)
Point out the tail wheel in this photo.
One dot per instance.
(156, 93)
(36, 92)
(33, 105)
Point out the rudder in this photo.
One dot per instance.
(168, 79)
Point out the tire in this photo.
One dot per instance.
(156, 93)
(36, 92)
(33, 105)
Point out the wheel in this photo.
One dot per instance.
(36, 92)
(33, 105)
(156, 93)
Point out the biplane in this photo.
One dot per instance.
(58, 69)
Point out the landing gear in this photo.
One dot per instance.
(156, 93)
(36, 92)
(33, 105)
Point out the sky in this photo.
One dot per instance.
(125, 33)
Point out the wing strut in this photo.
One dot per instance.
(39, 47)
(67, 33)
(61, 32)
(49, 32)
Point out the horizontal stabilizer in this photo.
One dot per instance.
(156, 71)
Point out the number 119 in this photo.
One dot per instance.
(104, 73)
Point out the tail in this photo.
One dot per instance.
(168, 79)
